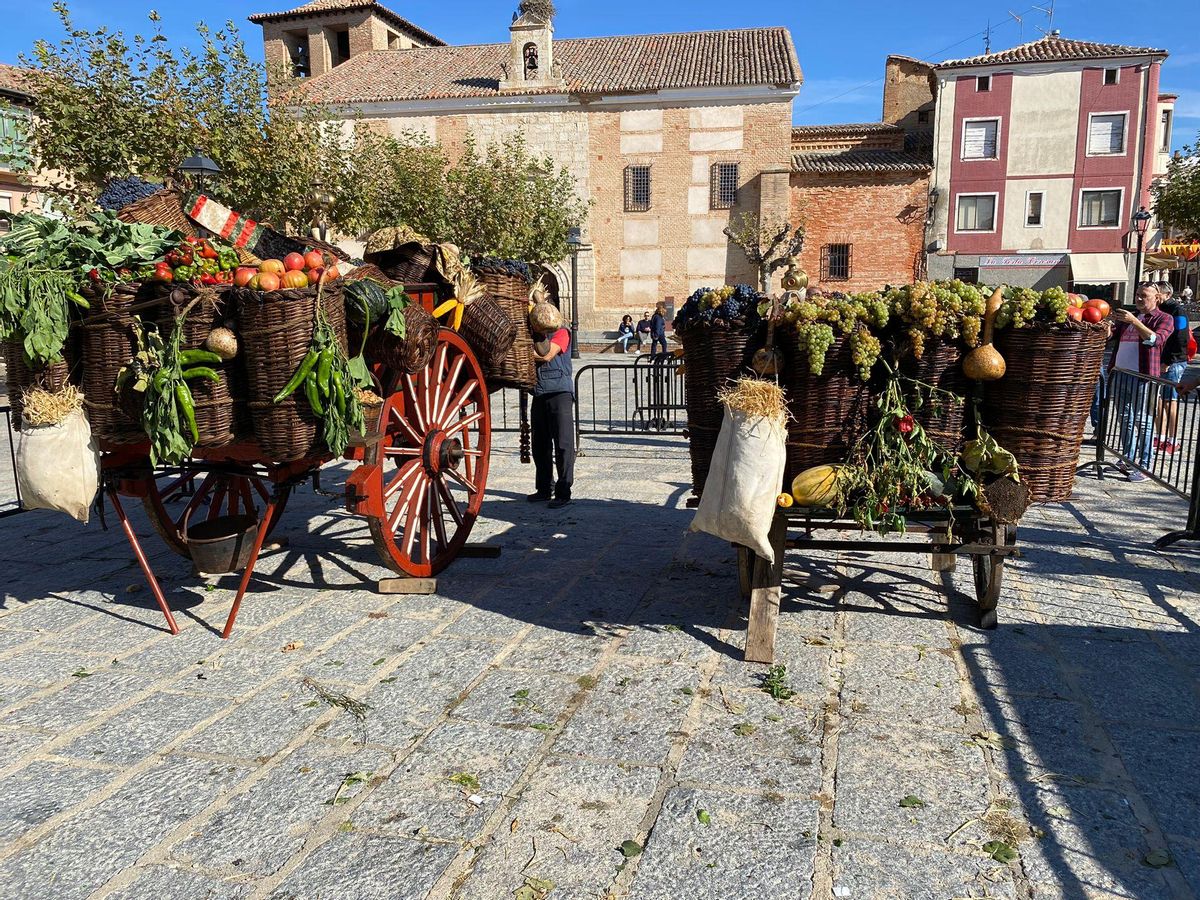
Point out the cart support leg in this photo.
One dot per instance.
(745, 565)
(766, 581)
(155, 588)
(258, 545)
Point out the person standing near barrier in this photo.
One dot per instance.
(1174, 361)
(658, 329)
(552, 414)
(1140, 338)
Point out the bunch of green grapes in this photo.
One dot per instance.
(1054, 304)
(814, 339)
(1019, 308)
(865, 349)
(971, 312)
(875, 311)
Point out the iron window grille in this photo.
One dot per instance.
(637, 188)
(723, 186)
(835, 262)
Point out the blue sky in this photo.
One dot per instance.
(842, 46)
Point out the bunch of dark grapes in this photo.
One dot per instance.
(120, 192)
(507, 266)
(726, 306)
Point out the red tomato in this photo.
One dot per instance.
(314, 274)
(1103, 307)
(293, 262)
(314, 260)
(331, 274)
(268, 281)
(295, 279)
(1075, 313)
(1092, 314)
(243, 275)
(274, 266)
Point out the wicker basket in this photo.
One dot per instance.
(163, 208)
(827, 413)
(487, 327)
(413, 353)
(712, 356)
(220, 405)
(109, 342)
(21, 376)
(407, 263)
(1039, 409)
(516, 367)
(940, 367)
(276, 330)
(503, 285)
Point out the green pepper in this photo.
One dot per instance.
(78, 300)
(314, 395)
(339, 393)
(199, 357)
(201, 372)
(324, 370)
(183, 399)
(306, 366)
(227, 258)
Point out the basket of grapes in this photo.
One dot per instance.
(1039, 409)
(715, 326)
(932, 325)
(830, 347)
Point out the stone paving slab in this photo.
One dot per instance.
(586, 690)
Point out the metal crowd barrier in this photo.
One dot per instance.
(1145, 425)
(646, 398)
(10, 491)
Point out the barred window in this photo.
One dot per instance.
(723, 186)
(637, 188)
(835, 262)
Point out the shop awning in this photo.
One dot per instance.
(1098, 268)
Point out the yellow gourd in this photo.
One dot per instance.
(783, 501)
(816, 486)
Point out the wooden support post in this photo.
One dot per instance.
(405, 585)
(942, 562)
(766, 582)
(745, 565)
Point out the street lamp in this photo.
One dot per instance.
(1141, 221)
(574, 245)
(199, 167)
(323, 201)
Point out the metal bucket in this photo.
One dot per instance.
(222, 544)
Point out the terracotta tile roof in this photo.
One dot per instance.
(626, 64)
(853, 129)
(1051, 48)
(861, 161)
(13, 83)
(317, 7)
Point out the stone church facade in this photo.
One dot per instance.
(668, 136)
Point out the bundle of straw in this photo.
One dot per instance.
(756, 398)
(42, 407)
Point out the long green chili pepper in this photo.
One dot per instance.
(306, 366)
(198, 357)
(183, 398)
(339, 393)
(201, 372)
(79, 300)
(324, 370)
(314, 395)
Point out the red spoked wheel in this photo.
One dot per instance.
(429, 471)
(191, 496)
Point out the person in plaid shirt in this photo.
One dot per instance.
(1140, 339)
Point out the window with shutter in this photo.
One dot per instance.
(1106, 134)
(976, 212)
(980, 138)
(637, 188)
(1100, 209)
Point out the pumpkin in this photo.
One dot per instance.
(816, 486)
(365, 299)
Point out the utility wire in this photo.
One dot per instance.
(859, 87)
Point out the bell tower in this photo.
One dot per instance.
(531, 63)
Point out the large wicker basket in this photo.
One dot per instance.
(221, 415)
(109, 341)
(276, 329)
(712, 357)
(827, 413)
(502, 284)
(515, 368)
(489, 329)
(412, 353)
(163, 208)
(1039, 409)
(21, 376)
(407, 263)
(940, 410)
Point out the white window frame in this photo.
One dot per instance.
(1041, 210)
(962, 142)
(9, 198)
(1124, 114)
(1166, 124)
(995, 195)
(1096, 190)
(1104, 78)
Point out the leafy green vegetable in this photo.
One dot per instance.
(397, 302)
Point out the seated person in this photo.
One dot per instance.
(627, 333)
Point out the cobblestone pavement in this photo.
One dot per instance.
(584, 693)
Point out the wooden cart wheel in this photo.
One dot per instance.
(989, 575)
(207, 495)
(433, 459)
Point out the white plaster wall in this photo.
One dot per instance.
(641, 232)
(405, 126)
(716, 117)
(1043, 123)
(707, 141)
(648, 142)
(943, 153)
(706, 261)
(1056, 214)
(641, 263)
(709, 231)
(641, 120)
(642, 292)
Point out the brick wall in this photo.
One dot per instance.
(881, 216)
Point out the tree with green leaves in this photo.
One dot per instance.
(1177, 196)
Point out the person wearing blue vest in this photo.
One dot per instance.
(552, 412)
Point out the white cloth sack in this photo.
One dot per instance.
(58, 466)
(738, 502)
